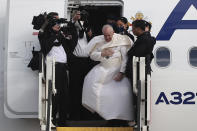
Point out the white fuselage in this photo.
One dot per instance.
(175, 83)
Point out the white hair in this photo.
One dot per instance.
(107, 27)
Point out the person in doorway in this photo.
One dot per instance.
(79, 66)
(106, 91)
(142, 47)
(123, 26)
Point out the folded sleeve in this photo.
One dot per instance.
(86, 49)
(96, 55)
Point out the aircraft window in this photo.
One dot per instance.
(193, 56)
(163, 57)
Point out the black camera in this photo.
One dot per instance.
(54, 21)
(39, 20)
(43, 20)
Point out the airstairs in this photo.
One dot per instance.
(141, 87)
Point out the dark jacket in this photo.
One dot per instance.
(142, 47)
(47, 41)
(73, 32)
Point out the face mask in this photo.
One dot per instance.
(120, 29)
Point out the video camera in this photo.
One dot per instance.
(43, 20)
(54, 21)
(39, 20)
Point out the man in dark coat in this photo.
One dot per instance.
(142, 47)
(79, 67)
(52, 41)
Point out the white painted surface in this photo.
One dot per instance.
(20, 28)
(7, 124)
(179, 76)
(21, 83)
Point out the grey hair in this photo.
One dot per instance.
(107, 27)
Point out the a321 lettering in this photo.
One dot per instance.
(177, 98)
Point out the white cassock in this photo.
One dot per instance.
(101, 93)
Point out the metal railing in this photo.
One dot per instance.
(46, 90)
(142, 87)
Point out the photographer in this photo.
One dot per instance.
(45, 30)
(79, 66)
(52, 41)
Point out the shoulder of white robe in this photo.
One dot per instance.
(122, 40)
(96, 39)
(129, 40)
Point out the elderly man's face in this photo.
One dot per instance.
(108, 35)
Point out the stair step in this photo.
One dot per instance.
(86, 123)
(94, 129)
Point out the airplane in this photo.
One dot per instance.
(172, 90)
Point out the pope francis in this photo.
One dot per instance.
(106, 90)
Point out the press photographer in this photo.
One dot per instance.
(52, 40)
(79, 66)
(41, 21)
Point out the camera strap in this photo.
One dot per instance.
(81, 25)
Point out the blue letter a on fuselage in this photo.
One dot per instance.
(175, 21)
